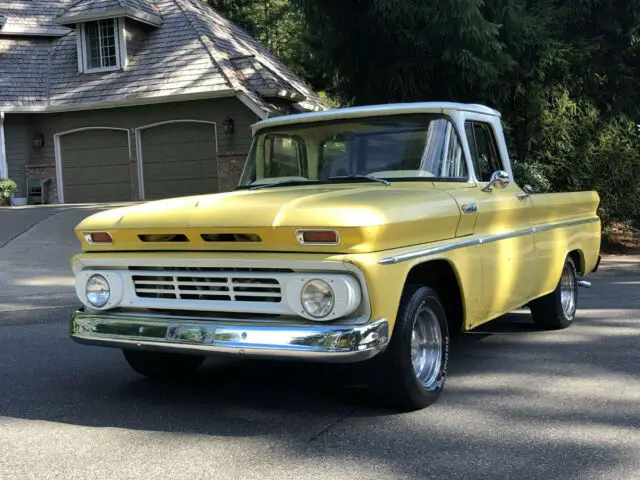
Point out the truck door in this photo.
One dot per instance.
(503, 220)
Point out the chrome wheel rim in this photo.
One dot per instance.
(568, 291)
(426, 347)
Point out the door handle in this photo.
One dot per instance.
(522, 196)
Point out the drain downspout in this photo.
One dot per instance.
(4, 168)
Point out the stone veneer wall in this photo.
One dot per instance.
(47, 172)
(230, 165)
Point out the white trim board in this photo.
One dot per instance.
(58, 153)
(121, 34)
(139, 153)
(80, 107)
(34, 31)
(154, 21)
(4, 167)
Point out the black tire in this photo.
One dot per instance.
(162, 365)
(393, 377)
(549, 312)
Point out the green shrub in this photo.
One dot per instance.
(7, 188)
(531, 174)
(576, 148)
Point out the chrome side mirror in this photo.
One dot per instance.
(499, 178)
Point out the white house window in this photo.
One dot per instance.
(101, 45)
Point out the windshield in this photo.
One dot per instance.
(395, 148)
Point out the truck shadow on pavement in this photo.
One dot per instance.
(507, 405)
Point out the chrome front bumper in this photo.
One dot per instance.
(324, 343)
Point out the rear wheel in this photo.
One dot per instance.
(557, 309)
(411, 372)
(162, 365)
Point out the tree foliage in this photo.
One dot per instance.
(564, 73)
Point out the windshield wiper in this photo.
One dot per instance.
(277, 184)
(290, 183)
(361, 177)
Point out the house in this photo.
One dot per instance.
(119, 100)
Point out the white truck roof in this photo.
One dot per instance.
(374, 110)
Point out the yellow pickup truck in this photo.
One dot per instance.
(366, 234)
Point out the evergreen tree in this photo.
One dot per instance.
(564, 73)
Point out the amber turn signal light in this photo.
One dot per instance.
(97, 238)
(322, 237)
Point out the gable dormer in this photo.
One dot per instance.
(101, 30)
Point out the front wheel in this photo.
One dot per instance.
(160, 364)
(557, 309)
(411, 372)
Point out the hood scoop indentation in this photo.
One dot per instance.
(231, 237)
(171, 237)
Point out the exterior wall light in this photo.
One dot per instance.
(228, 125)
(38, 140)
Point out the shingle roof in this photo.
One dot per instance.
(32, 14)
(141, 10)
(23, 67)
(194, 50)
(230, 41)
(142, 5)
(161, 66)
(261, 79)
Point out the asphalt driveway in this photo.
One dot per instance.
(518, 404)
(36, 246)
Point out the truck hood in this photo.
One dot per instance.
(368, 218)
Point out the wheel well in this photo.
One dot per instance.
(440, 276)
(578, 259)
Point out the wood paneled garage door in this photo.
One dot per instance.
(179, 159)
(95, 166)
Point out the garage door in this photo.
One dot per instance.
(179, 159)
(95, 166)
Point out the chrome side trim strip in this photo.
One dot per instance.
(325, 343)
(481, 240)
(568, 223)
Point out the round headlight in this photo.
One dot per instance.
(317, 298)
(98, 291)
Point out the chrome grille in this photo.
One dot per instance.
(206, 285)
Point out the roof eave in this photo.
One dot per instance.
(281, 93)
(127, 102)
(305, 107)
(33, 31)
(137, 15)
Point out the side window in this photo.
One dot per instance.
(484, 149)
(453, 163)
(443, 156)
(284, 157)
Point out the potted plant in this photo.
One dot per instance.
(7, 189)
